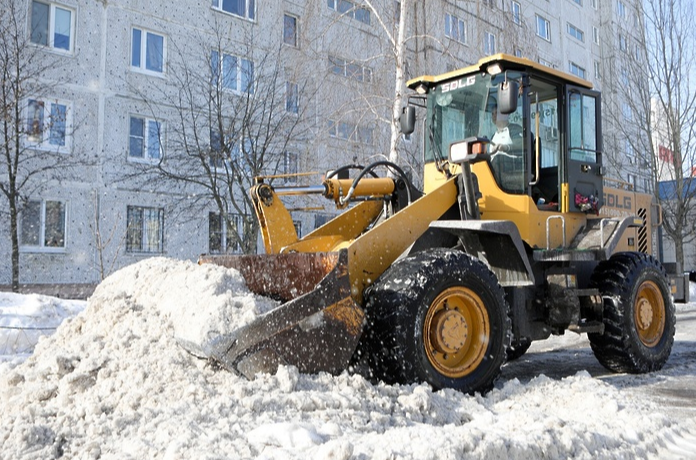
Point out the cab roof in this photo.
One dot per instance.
(508, 62)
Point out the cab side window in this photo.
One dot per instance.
(583, 128)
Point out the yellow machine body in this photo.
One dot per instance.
(322, 277)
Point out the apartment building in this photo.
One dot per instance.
(129, 95)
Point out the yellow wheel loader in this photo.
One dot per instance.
(514, 237)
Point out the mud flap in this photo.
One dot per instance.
(316, 331)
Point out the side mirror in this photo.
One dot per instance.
(407, 119)
(507, 96)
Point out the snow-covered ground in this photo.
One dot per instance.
(112, 383)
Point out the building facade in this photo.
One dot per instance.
(131, 92)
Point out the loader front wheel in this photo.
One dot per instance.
(518, 348)
(438, 317)
(639, 318)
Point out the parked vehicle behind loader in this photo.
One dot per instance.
(513, 238)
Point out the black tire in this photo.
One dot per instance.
(458, 301)
(518, 348)
(639, 318)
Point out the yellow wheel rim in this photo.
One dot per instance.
(456, 332)
(649, 314)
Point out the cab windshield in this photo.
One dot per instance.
(466, 108)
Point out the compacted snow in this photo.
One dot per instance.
(113, 382)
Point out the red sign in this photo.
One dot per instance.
(665, 154)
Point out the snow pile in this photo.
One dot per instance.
(25, 318)
(201, 301)
(112, 383)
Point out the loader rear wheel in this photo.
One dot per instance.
(438, 317)
(639, 318)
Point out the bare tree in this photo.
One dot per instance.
(104, 239)
(654, 115)
(230, 118)
(33, 137)
(409, 34)
(512, 34)
(396, 37)
(376, 98)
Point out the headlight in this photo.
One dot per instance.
(469, 150)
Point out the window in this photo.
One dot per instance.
(341, 129)
(52, 26)
(595, 35)
(543, 28)
(145, 229)
(594, 4)
(362, 15)
(242, 155)
(292, 102)
(455, 28)
(488, 43)
(576, 69)
(576, 33)
(232, 72)
(348, 69)
(516, 11)
(518, 52)
(289, 30)
(351, 132)
(147, 51)
(228, 151)
(597, 70)
(620, 9)
(628, 148)
(579, 2)
(290, 165)
(633, 180)
(298, 227)
(43, 225)
(347, 131)
(217, 154)
(337, 65)
(365, 135)
(48, 125)
(225, 238)
(547, 63)
(144, 142)
(622, 42)
(583, 127)
(627, 111)
(321, 219)
(242, 8)
(348, 8)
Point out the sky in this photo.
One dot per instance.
(112, 381)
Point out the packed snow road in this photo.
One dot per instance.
(674, 387)
(672, 390)
(113, 383)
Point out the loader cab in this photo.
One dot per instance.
(545, 152)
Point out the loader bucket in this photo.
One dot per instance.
(316, 329)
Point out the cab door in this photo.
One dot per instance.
(584, 151)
